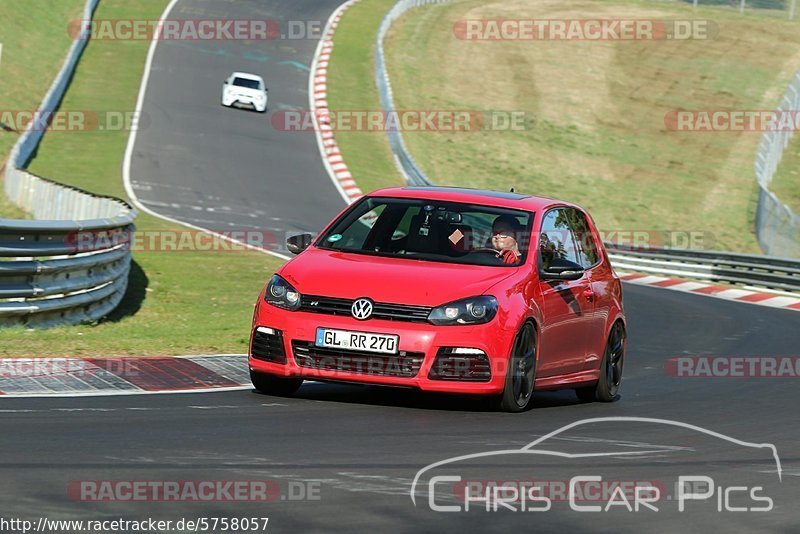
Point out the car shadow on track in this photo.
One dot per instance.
(371, 395)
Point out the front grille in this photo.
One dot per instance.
(268, 347)
(381, 310)
(402, 364)
(462, 367)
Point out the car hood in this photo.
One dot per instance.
(401, 281)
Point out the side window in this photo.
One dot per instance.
(587, 247)
(556, 239)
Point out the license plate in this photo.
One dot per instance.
(364, 341)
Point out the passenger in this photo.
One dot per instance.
(505, 230)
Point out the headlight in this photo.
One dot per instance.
(474, 310)
(280, 293)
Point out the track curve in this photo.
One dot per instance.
(226, 169)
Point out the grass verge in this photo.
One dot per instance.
(9, 210)
(351, 87)
(177, 302)
(595, 111)
(35, 41)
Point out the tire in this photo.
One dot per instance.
(521, 374)
(273, 385)
(607, 387)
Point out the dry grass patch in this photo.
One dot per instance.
(595, 132)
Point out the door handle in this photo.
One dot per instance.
(589, 294)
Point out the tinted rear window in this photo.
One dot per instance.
(244, 82)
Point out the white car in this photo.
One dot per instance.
(246, 90)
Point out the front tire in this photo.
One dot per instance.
(521, 374)
(273, 385)
(607, 387)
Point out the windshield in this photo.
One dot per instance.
(433, 231)
(245, 82)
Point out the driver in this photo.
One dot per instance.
(505, 230)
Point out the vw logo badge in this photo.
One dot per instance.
(361, 309)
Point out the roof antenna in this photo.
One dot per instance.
(512, 190)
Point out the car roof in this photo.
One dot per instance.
(485, 197)
(248, 76)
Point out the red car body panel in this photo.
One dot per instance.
(572, 318)
(319, 271)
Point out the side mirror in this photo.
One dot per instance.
(560, 269)
(298, 243)
(225, 82)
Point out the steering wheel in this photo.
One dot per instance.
(485, 250)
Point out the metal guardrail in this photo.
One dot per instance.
(413, 174)
(763, 271)
(71, 264)
(777, 227)
(751, 269)
(782, 8)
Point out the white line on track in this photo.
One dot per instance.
(114, 393)
(229, 406)
(142, 409)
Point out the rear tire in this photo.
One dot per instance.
(521, 373)
(273, 385)
(607, 387)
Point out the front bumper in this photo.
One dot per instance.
(242, 101)
(420, 338)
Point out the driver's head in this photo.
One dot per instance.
(504, 232)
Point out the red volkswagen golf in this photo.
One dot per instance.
(446, 289)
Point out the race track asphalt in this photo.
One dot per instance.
(360, 447)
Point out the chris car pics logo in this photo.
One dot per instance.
(445, 486)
